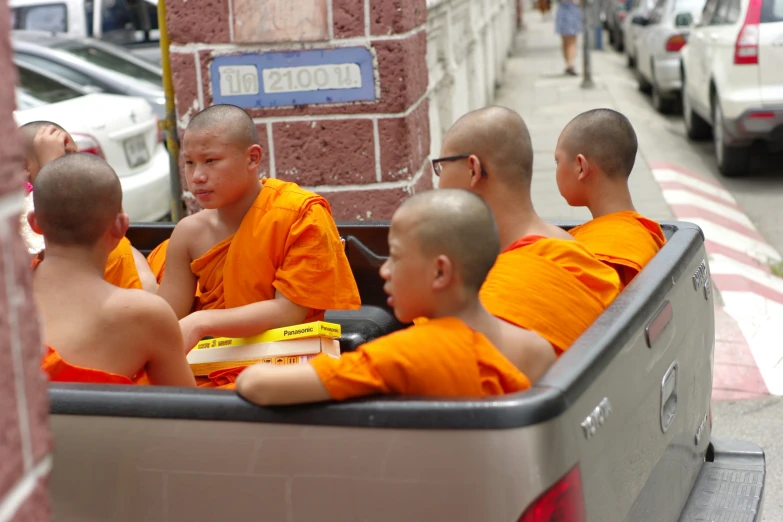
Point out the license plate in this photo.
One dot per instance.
(136, 152)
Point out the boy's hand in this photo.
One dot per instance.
(51, 143)
(191, 330)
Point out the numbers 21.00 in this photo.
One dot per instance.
(312, 78)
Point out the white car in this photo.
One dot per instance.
(631, 31)
(658, 50)
(732, 70)
(121, 129)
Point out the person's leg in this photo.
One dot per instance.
(569, 46)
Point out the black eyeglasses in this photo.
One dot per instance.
(437, 168)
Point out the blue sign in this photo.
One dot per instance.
(276, 79)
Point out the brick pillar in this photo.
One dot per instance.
(24, 403)
(362, 140)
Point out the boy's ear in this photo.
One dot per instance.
(120, 225)
(33, 222)
(255, 154)
(584, 167)
(444, 273)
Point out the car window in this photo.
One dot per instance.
(733, 11)
(721, 13)
(687, 6)
(707, 12)
(43, 88)
(57, 69)
(44, 17)
(111, 61)
(772, 11)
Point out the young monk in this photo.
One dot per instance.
(543, 280)
(263, 254)
(47, 141)
(95, 332)
(595, 155)
(442, 243)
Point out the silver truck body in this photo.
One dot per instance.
(625, 409)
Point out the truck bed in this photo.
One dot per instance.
(618, 429)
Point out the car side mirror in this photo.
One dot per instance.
(640, 20)
(683, 20)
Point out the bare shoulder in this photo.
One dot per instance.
(527, 350)
(558, 233)
(139, 310)
(191, 225)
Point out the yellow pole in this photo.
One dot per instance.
(169, 125)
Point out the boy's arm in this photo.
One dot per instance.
(178, 287)
(243, 321)
(147, 278)
(268, 384)
(162, 339)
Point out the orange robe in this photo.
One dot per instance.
(157, 260)
(287, 242)
(60, 371)
(442, 357)
(553, 287)
(626, 241)
(120, 267)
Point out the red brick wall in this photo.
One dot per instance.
(364, 157)
(24, 406)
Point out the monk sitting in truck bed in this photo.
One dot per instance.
(263, 254)
(97, 332)
(595, 155)
(46, 141)
(442, 244)
(544, 280)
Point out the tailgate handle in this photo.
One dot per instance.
(669, 396)
(658, 324)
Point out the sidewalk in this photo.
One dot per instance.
(534, 85)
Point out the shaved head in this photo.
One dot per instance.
(499, 138)
(458, 224)
(77, 198)
(605, 137)
(232, 122)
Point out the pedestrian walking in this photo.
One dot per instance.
(568, 24)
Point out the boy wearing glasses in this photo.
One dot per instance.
(442, 244)
(595, 155)
(543, 280)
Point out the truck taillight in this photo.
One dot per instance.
(675, 43)
(563, 502)
(746, 48)
(86, 143)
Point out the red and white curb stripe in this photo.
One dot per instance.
(749, 327)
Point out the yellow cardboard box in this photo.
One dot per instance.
(204, 361)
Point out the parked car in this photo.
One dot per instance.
(632, 31)
(732, 73)
(91, 63)
(658, 50)
(129, 23)
(614, 12)
(121, 129)
(618, 429)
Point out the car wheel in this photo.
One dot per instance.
(695, 126)
(732, 161)
(644, 85)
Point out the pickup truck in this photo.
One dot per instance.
(619, 429)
